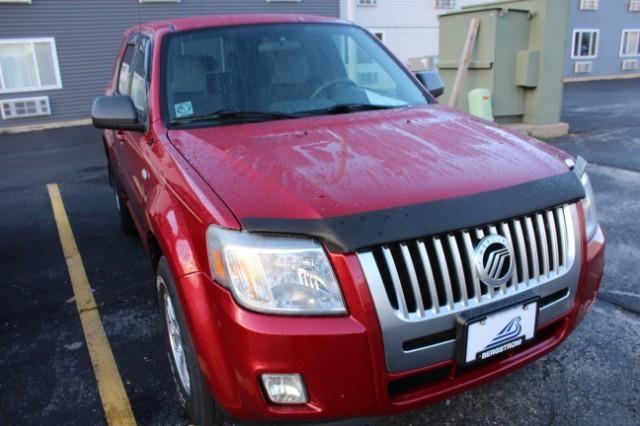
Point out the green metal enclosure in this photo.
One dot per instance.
(518, 56)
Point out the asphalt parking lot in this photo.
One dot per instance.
(46, 373)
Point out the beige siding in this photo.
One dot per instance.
(410, 26)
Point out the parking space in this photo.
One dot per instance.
(122, 282)
(46, 373)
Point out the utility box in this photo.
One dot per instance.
(518, 56)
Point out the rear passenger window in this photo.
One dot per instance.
(138, 91)
(125, 71)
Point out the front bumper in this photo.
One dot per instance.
(342, 358)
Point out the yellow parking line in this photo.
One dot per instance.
(115, 402)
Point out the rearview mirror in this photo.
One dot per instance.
(432, 82)
(115, 112)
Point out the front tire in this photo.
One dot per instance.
(190, 383)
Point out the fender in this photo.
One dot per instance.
(171, 227)
(170, 223)
(179, 208)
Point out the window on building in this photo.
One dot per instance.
(634, 5)
(367, 2)
(630, 43)
(16, 1)
(445, 4)
(588, 4)
(585, 43)
(28, 65)
(159, 1)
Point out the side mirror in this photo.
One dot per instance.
(115, 112)
(432, 82)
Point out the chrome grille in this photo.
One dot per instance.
(421, 287)
(437, 273)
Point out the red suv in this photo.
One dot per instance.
(329, 242)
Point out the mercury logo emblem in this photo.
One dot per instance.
(494, 260)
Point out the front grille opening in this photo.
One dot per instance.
(403, 274)
(412, 383)
(547, 226)
(538, 244)
(437, 272)
(422, 277)
(561, 248)
(454, 270)
(554, 297)
(530, 253)
(516, 251)
(386, 278)
(451, 267)
(432, 339)
(466, 267)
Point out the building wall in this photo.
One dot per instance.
(611, 18)
(410, 27)
(88, 33)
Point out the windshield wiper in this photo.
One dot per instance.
(347, 108)
(225, 114)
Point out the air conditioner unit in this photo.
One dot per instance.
(25, 107)
(588, 4)
(634, 6)
(583, 67)
(445, 4)
(629, 64)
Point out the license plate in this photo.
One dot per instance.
(500, 332)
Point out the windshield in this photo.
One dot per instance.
(264, 72)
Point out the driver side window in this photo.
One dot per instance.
(124, 75)
(138, 90)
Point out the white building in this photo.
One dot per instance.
(408, 27)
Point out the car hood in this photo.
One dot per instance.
(331, 166)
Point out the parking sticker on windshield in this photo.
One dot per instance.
(183, 109)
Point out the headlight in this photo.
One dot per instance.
(276, 275)
(589, 207)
